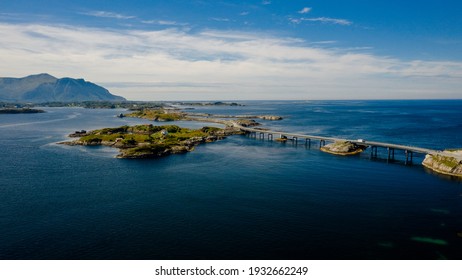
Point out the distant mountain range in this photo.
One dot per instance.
(46, 88)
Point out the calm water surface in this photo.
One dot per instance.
(239, 198)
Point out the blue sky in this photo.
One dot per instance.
(230, 50)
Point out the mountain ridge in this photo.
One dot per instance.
(47, 88)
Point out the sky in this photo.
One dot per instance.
(240, 50)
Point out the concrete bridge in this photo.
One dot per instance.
(373, 145)
(295, 137)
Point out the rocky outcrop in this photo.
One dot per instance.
(269, 117)
(450, 163)
(247, 123)
(343, 148)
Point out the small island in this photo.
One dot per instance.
(449, 164)
(158, 115)
(20, 111)
(168, 114)
(343, 148)
(149, 141)
(217, 103)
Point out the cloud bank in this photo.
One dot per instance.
(173, 64)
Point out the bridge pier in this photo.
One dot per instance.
(391, 154)
(270, 134)
(295, 140)
(262, 136)
(409, 156)
(308, 142)
(322, 143)
(373, 151)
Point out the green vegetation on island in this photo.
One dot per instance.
(160, 115)
(343, 148)
(450, 163)
(149, 141)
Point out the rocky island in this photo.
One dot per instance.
(168, 114)
(450, 163)
(159, 115)
(149, 141)
(343, 148)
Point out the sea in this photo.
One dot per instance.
(239, 198)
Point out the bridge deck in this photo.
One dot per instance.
(334, 139)
(331, 139)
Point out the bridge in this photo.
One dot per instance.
(295, 137)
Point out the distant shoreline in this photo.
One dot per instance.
(21, 111)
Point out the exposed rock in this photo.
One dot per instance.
(247, 123)
(445, 164)
(271, 118)
(78, 133)
(343, 148)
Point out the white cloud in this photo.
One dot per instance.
(172, 64)
(244, 13)
(105, 14)
(322, 20)
(329, 20)
(304, 10)
(220, 19)
(266, 2)
(164, 22)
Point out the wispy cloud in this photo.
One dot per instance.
(324, 42)
(173, 64)
(244, 13)
(266, 2)
(322, 20)
(220, 19)
(305, 10)
(164, 22)
(330, 20)
(105, 14)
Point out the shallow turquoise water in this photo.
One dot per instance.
(239, 198)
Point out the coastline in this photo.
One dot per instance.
(240, 126)
(441, 171)
(356, 152)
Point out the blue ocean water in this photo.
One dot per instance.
(240, 198)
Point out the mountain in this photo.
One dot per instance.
(46, 88)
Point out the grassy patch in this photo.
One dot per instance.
(447, 161)
(156, 115)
